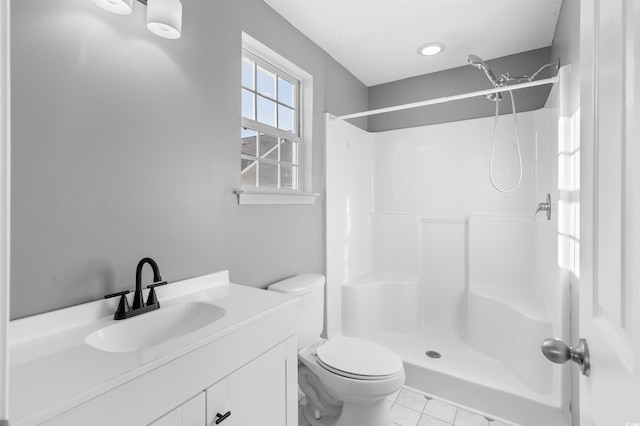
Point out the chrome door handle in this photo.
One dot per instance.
(559, 352)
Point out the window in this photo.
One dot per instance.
(275, 130)
(270, 133)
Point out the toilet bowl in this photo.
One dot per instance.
(359, 374)
(346, 380)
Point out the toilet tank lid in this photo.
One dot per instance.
(298, 284)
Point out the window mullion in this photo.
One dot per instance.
(265, 128)
(258, 137)
(279, 163)
(255, 91)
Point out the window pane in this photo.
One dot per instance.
(285, 118)
(289, 152)
(266, 83)
(247, 73)
(249, 142)
(247, 104)
(248, 172)
(269, 175)
(266, 111)
(268, 147)
(289, 176)
(285, 92)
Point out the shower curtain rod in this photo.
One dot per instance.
(452, 98)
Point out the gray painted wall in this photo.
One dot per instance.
(453, 82)
(566, 45)
(126, 145)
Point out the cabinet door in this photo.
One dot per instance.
(254, 395)
(217, 404)
(257, 392)
(191, 413)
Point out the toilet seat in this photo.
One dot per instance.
(358, 359)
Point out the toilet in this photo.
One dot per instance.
(346, 380)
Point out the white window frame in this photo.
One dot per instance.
(259, 159)
(302, 195)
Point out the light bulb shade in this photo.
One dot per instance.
(119, 7)
(164, 18)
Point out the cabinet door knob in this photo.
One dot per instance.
(221, 417)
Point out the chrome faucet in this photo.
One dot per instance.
(544, 207)
(124, 311)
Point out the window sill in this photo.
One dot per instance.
(248, 197)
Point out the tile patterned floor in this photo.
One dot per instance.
(408, 407)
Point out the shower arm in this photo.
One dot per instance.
(506, 77)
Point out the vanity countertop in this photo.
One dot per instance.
(53, 369)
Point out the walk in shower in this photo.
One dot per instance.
(425, 257)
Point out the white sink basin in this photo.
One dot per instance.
(155, 327)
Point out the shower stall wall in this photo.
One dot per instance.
(424, 256)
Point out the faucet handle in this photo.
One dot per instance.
(544, 207)
(152, 299)
(123, 305)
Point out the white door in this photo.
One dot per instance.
(610, 211)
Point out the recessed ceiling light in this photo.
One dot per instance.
(431, 49)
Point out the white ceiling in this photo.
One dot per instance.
(377, 40)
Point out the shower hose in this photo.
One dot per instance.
(517, 144)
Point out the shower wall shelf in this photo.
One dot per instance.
(551, 80)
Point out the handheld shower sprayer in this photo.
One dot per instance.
(477, 62)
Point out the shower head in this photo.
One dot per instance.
(477, 62)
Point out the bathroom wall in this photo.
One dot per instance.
(440, 173)
(453, 82)
(430, 180)
(349, 180)
(126, 145)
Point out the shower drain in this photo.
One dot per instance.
(433, 354)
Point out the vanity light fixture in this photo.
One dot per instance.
(431, 49)
(164, 17)
(119, 7)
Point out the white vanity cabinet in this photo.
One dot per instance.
(253, 395)
(248, 371)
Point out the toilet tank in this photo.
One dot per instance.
(310, 289)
